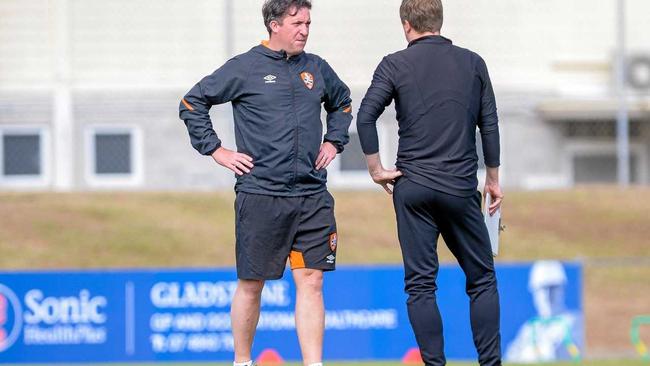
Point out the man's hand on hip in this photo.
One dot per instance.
(380, 175)
(237, 162)
(326, 154)
(385, 177)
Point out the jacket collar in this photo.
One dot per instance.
(430, 40)
(264, 49)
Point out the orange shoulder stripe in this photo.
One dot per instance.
(187, 105)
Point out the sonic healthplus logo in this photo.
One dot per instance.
(10, 317)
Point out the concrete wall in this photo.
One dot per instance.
(71, 65)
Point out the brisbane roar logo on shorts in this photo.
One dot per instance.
(333, 241)
(308, 79)
(10, 317)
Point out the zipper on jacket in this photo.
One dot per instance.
(295, 141)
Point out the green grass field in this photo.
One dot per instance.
(607, 228)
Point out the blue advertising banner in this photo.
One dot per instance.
(183, 315)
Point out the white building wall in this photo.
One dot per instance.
(171, 43)
(26, 44)
(146, 44)
(128, 62)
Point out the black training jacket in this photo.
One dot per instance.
(276, 102)
(442, 93)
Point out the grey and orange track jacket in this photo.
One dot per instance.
(276, 103)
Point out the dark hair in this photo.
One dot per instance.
(278, 9)
(423, 15)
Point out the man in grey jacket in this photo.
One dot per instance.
(282, 208)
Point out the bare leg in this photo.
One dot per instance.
(244, 313)
(310, 313)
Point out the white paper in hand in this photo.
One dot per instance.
(493, 224)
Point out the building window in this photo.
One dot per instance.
(22, 156)
(349, 170)
(595, 162)
(113, 153)
(352, 158)
(114, 156)
(601, 169)
(597, 129)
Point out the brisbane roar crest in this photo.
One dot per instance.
(333, 241)
(308, 79)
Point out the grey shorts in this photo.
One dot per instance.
(270, 229)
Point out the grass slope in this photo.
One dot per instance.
(606, 227)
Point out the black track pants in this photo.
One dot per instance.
(423, 214)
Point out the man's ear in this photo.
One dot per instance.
(407, 26)
(274, 25)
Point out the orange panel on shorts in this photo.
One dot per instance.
(296, 259)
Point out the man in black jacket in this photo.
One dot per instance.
(442, 94)
(282, 208)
